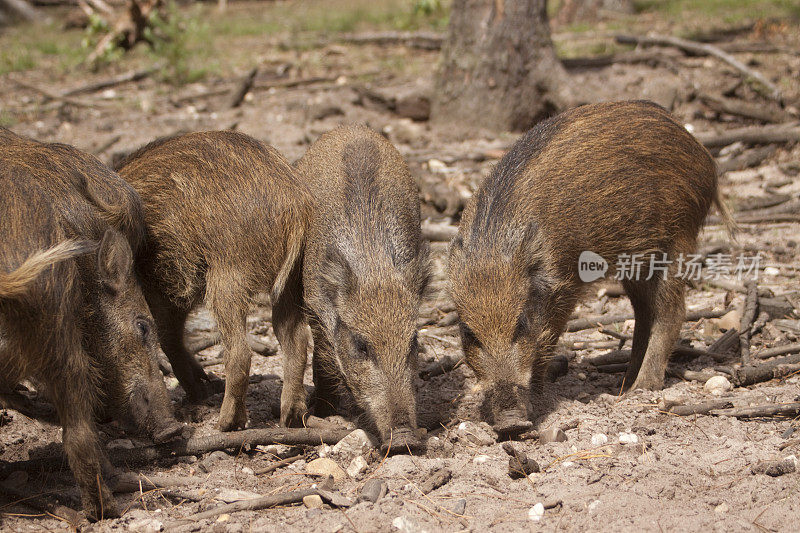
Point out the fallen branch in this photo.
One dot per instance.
(278, 464)
(134, 75)
(754, 203)
(691, 375)
(50, 95)
(106, 145)
(212, 339)
(128, 482)
(702, 49)
(297, 82)
(604, 320)
(441, 366)
(625, 58)
(749, 159)
(745, 109)
(779, 350)
(614, 368)
(775, 369)
(746, 323)
(36, 501)
(701, 408)
(196, 446)
(728, 342)
(252, 504)
(239, 94)
(420, 40)
(774, 133)
(758, 411)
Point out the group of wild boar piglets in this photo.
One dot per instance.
(100, 269)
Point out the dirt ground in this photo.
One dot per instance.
(678, 473)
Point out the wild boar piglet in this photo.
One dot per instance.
(608, 181)
(364, 274)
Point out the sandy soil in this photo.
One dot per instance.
(682, 473)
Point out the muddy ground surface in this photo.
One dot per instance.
(678, 472)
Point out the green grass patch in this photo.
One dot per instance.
(323, 17)
(720, 11)
(6, 119)
(25, 47)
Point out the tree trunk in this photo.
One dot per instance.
(498, 67)
(17, 10)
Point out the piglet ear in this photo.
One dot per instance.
(529, 248)
(337, 279)
(114, 261)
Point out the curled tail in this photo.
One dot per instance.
(15, 284)
(725, 214)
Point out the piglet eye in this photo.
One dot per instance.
(522, 327)
(467, 335)
(360, 347)
(143, 328)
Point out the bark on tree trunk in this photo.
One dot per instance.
(17, 10)
(498, 67)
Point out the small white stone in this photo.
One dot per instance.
(792, 458)
(582, 376)
(689, 127)
(536, 512)
(721, 508)
(771, 271)
(120, 444)
(462, 426)
(407, 525)
(357, 466)
(324, 450)
(146, 525)
(594, 505)
(313, 501)
(628, 438)
(355, 443)
(480, 459)
(248, 471)
(718, 385)
(326, 467)
(434, 165)
(598, 439)
(568, 464)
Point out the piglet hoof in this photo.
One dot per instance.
(648, 381)
(99, 506)
(293, 414)
(507, 427)
(402, 440)
(171, 431)
(232, 415)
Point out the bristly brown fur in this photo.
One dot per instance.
(226, 217)
(69, 314)
(365, 271)
(613, 178)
